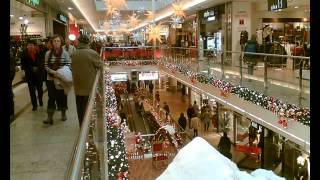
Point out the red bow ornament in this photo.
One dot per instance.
(283, 121)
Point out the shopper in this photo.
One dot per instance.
(190, 114)
(12, 74)
(55, 59)
(250, 59)
(196, 108)
(167, 109)
(182, 121)
(150, 87)
(33, 68)
(157, 98)
(195, 124)
(206, 119)
(224, 146)
(85, 65)
(68, 47)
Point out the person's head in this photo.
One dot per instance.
(31, 45)
(48, 43)
(225, 134)
(181, 114)
(157, 92)
(194, 102)
(56, 42)
(84, 39)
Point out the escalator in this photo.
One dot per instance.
(134, 119)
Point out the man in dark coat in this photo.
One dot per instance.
(190, 113)
(224, 146)
(182, 121)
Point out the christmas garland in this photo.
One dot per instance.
(117, 159)
(290, 111)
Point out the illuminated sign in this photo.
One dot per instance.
(208, 14)
(119, 77)
(34, 2)
(211, 18)
(274, 5)
(62, 18)
(148, 75)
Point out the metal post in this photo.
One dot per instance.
(265, 84)
(300, 82)
(240, 66)
(262, 147)
(222, 65)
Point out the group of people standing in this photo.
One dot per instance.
(51, 64)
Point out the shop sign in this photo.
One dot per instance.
(119, 77)
(208, 14)
(274, 5)
(148, 75)
(62, 18)
(34, 2)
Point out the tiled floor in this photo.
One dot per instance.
(39, 151)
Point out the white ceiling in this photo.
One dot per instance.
(92, 12)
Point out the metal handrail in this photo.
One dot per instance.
(198, 49)
(78, 152)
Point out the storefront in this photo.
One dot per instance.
(211, 23)
(283, 27)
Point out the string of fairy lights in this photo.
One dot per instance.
(290, 111)
(117, 159)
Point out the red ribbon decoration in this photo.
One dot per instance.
(283, 121)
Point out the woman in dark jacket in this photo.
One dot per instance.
(33, 67)
(224, 146)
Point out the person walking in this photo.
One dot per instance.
(68, 47)
(157, 98)
(150, 88)
(196, 108)
(190, 114)
(12, 74)
(206, 119)
(85, 65)
(167, 109)
(224, 146)
(195, 124)
(182, 121)
(33, 68)
(55, 59)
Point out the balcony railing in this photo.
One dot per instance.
(88, 159)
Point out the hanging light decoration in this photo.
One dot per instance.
(111, 11)
(150, 15)
(154, 32)
(116, 3)
(133, 20)
(178, 10)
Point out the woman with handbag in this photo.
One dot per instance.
(55, 59)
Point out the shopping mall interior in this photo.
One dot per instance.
(187, 90)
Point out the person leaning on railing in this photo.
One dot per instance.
(85, 64)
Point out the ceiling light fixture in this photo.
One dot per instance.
(11, 15)
(20, 17)
(296, 7)
(70, 8)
